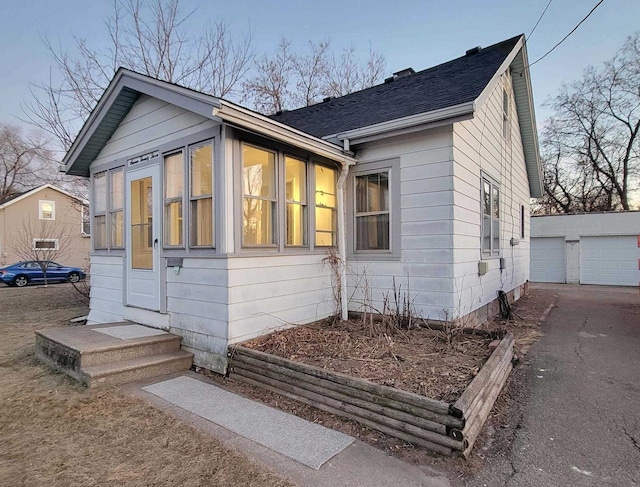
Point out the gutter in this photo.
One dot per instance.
(384, 129)
(342, 235)
(260, 124)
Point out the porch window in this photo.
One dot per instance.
(296, 200)
(372, 211)
(259, 200)
(201, 198)
(116, 207)
(325, 206)
(100, 210)
(490, 218)
(173, 191)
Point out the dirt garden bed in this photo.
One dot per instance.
(421, 361)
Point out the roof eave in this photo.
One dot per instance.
(40, 188)
(517, 60)
(260, 124)
(135, 83)
(393, 127)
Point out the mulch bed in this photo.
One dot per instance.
(295, 344)
(417, 360)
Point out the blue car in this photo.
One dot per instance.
(27, 272)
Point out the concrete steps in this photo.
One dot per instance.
(113, 353)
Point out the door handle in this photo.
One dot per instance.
(155, 243)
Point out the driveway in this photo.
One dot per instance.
(581, 422)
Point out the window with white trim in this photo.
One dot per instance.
(372, 211)
(47, 210)
(490, 218)
(45, 244)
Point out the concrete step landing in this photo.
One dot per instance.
(113, 353)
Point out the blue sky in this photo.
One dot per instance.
(407, 33)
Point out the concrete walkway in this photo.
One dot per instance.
(581, 421)
(354, 466)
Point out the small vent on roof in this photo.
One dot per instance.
(473, 50)
(404, 73)
(328, 98)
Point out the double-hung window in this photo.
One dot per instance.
(201, 196)
(108, 209)
(100, 210)
(47, 210)
(326, 203)
(372, 212)
(259, 204)
(296, 200)
(116, 207)
(173, 191)
(490, 218)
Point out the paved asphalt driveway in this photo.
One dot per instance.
(581, 422)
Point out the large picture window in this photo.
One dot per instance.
(372, 217)
(490, 218)
(325, 206)
(173, 191)
(296, 201)
(201, 197)
(259, 196)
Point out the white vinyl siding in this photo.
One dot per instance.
(481, 150)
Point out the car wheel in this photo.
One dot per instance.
(20, 281)
(73, 277)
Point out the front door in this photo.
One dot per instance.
(143, 238)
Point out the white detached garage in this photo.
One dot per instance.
(592, 248)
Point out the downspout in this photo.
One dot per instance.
(342, 235)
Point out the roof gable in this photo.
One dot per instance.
(26, 194)
(114, 105)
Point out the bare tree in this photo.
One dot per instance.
(269, 88)
(149, 36)
(290, 80)
(24, 162)
(592, 144)
(43, 242)
(347, 74)
(311, 72)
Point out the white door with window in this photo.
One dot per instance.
(143, 238)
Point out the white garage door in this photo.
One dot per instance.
(609, 260)
(548, 262)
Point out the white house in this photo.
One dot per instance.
(587, 248)
(215, 222)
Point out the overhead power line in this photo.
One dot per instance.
(539, 19)
(564, 38)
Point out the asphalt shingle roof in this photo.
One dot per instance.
(449, 84)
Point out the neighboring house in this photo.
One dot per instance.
(46, 217)
(588, 248)
(215, 222)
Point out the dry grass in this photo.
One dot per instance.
(57, 433)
